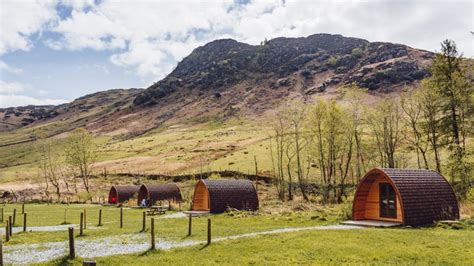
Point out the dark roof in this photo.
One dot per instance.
(230, 193)
(425, 195)
(124, 193)
(160, 192)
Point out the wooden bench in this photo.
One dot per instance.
(154, 210)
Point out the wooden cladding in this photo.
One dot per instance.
(420, 197)
(219, 195)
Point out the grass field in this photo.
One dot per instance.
(429, 245)
(365, 246)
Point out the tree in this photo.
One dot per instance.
(295, 114)
(332, 146)
(430, 104)
(384, 121)
(279, 137)
(354, 95)
(81, 154)
(412, 108)
(450, 79)
(49, 166)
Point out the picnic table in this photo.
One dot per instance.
(154, 210)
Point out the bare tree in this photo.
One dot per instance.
(412, 108)
(50, 166)
(81, 154)
(384, 121)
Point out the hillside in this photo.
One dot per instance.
(209, 112)
(226, 78)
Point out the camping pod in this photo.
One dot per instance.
(216, 196)
(162, 192)
(120, 194)
(405, 196)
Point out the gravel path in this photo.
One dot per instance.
(124, 244)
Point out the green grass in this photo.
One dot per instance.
(367, 246)
(170, 229)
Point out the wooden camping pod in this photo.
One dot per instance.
(410, 197)
(120, 194)
(216, 196)
(162, 192)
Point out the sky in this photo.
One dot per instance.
(52, 52)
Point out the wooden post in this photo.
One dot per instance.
(7, 232)
(1, 250)
(121, 217)
(85, 219)
(24, 222)
(100, 217)
(208, 231)
(72, 252)
(81, 225)
(14, 216)
(23, 208)
(152, 231)
(256, 173)
(144, 222)
(2, 216)
(10, 225)
(190, 224)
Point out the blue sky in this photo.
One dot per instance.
(56, 51)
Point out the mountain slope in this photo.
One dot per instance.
(226, 78)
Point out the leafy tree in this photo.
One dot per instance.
(451, 80)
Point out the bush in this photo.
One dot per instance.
(357, 52)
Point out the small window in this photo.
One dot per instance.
(388, 201)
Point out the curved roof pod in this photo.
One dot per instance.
(216, 196)
(422, 197)
(120, 194)
(154, 193)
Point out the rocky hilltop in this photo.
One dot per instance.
(308, 65)
(225, 78)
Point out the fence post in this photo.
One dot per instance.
(10, 226)
(100, 217)
(208, 231)
(23, 208)
(24, 222)
(152, 230)
(81, 225)
(2, 216)
(7, 232)
(14, 216)
(144, 222)
(85, 219)
(1, 250)
(72, 252)
(190, 224)
(121, 217)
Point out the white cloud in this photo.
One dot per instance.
(151, 36)
(10, 87)
(11, 94)
(20, 19)
(5, 67)
(22, 100)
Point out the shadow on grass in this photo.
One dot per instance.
(64, 260)
(150, 252)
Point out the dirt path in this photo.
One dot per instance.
(125, 244)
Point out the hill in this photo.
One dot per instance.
(226, 78)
